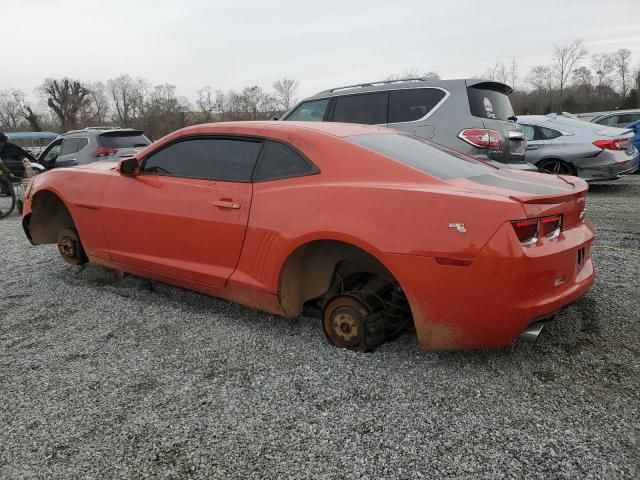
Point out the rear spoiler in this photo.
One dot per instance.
(489, 85)
(580, 191)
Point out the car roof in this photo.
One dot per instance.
(265, 128)
(385, 85)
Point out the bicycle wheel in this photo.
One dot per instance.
(7, 197)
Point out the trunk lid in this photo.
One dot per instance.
(614, 132)
(539, 194)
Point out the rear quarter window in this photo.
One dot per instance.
(422, 155)
(411, 104)
(487, 103)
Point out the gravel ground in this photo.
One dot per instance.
(110, 377)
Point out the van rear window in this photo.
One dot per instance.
(415, 152)
(488, 103)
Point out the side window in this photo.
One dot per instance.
(412, 104)
(309, 111)
(549, 133)
(280, 161)
(223, 159)
(529, 132)
(52, 153)
(73, 145)
(370, 108)
(611, 120)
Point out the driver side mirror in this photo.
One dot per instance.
(129, 167)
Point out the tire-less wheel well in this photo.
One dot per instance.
(48, 217)
(313, 269)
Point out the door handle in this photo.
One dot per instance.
(533, 147)
(226, 204)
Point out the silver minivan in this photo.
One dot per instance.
(472, 116)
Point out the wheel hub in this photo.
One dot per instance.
(66, 248)
(345, 326)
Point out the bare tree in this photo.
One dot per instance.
(164, 111)
(621, 62)
(541, 77)
(11, 108)
(128, 97)
(95, 111)
(66, 98)
(584, 77)
(285, 92)
(565, 60)
(209, 103)
(603, 65)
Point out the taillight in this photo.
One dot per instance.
(105, 152)
(528, 231)
(551, 226)
(613, 144)
(482, 138)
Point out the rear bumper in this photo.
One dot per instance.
(609, 168)
(490, 302)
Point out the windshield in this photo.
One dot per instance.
(418, 153)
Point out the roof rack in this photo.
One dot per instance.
(381, 82)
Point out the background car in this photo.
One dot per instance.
(619, 118)
(567, 146)
(471, 116)
(79, 147)
(275, 215)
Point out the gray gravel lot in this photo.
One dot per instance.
(110, 377)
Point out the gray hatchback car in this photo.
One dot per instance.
(79, 147)
(471, 116)
(561, 145)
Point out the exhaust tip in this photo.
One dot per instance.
(532, 332)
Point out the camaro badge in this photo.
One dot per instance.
(458, 226)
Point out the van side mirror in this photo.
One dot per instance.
(129, 167)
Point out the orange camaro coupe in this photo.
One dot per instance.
(377, 228)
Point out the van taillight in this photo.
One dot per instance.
(526, 230)
(482, 138)
(105, 152)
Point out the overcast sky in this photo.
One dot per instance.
(232, 44)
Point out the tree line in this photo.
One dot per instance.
(69, 104)
(573, 81)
